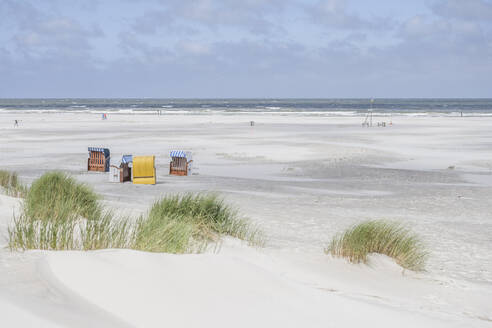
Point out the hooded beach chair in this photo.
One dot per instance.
(98, 159)
(122, 173)
(144, 169)
(126, 168)
(180, 162)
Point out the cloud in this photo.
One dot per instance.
(248, 13)
(441, 38)
(138, 51)
(471, 10)
(335, 14)
(426, 28)
(151, 21)
(194, 48)
(251, 48)
(4, 59)
(255, 69)
(184, 16)
(62, 34)
(37, 32)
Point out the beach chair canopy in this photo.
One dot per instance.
(99, 150)
(180, 154)
(127, 159)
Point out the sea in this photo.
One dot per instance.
(304, 107)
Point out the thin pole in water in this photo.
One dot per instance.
(372, 102)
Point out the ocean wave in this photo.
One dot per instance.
(255, 109)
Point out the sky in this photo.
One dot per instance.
(246, 48)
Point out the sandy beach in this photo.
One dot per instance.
(302, 179)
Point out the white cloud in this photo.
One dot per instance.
(235, 48)
(56, 32)
(335, 14)
(194, 48)
(37, 32)
(465, 9)
(184, 16)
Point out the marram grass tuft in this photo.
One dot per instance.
(58, 196)
(383, 237)
(187, 223)
(9, 182)
(61, 213)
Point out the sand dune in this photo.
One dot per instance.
(149, 290)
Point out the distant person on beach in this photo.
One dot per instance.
(16, 123)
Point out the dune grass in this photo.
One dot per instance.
(82, 234)
(60, 213)
(56, 196)
(10, 183)
(189, 222)
(383, 237)
(26, 233)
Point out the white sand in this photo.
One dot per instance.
(303, 179)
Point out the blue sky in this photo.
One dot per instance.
(245, 48)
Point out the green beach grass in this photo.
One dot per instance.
(10, 183)
(57, 196)
(60, 213)
(187, 223)
(383, 237)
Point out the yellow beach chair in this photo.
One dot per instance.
(144, 169)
